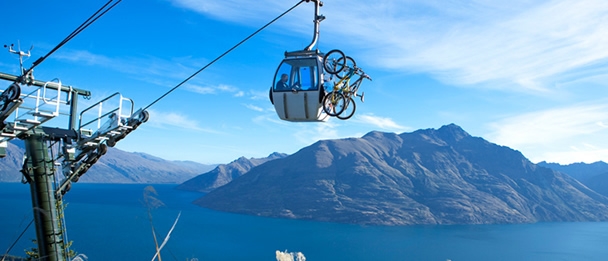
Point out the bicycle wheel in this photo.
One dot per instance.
(349, 109)
(349, 64)
(333, 103)
(330, 61)
(11, 93)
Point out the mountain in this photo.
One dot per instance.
(580, 171)
(116, 166)
(430, 176)
(225, 173)
(594, 175)
(12, 162)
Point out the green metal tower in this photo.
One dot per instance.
(56, 157)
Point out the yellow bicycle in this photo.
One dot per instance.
(339, 102)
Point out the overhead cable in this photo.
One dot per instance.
(103, 10)
(222, 55)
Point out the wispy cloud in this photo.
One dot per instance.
(222, 88)
(519, 45)
(235, 10)
(139, 67)
(382, 123)
(308, 133)
(160, 72)
(172, 120)
(486, 42)
(151, 69)
(254, 107)
(582, 153)
(550, 126)
(256, 13)
(557, 134)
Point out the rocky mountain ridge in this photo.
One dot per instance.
(225, 173)
(116, 166)
(593, 175)
(430, 176)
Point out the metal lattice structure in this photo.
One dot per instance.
(56, 156)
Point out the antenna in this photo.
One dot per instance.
(21, 55)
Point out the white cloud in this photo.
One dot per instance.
(161, 72)
(584, 153)
(254, 108)
(309, 133)
(221, 88)
(550, 125)
(235, 10)
(141, 67)
(564, 135)
(200, 89)
(383, 123)
(172, 120)
(520, 45)
(259, 95)
(257, 13)
(82, 56)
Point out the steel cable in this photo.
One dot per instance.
(222, 55)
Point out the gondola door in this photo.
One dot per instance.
(297, 91)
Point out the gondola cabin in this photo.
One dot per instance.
(297, 91)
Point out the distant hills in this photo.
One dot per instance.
(225, 173)
(442, 176)
(431, 176)
(594, 175)
(116, 166)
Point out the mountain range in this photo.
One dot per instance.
(594, 175)
(432, 176)
(116, 166)
(442, 176)
(225, 173)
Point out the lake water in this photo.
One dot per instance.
(110, 222)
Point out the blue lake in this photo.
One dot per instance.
(110, 222)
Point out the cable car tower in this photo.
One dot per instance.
(57, 156)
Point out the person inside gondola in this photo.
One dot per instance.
(282, 84)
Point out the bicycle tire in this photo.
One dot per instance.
(333, 103)
(347, 113)
(349, 64)
(330, 61)
(11, 93)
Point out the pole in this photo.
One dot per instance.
(317, 21)
(64, 88)
(46, 212)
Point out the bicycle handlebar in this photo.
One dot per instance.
(363, 74)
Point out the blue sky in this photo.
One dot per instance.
(530, 75)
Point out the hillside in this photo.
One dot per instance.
(225, 173)
(430, 176)
(580, 171)
(116, 166)
(593, 175)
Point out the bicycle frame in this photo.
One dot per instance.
(344, 86)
